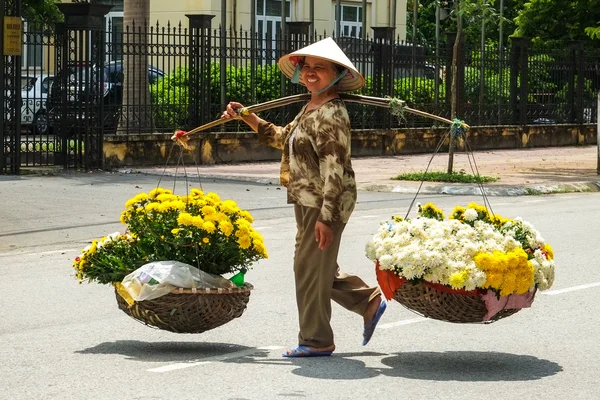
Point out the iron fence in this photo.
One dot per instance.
(162, 78)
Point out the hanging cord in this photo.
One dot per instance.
(166, 165)
(180, 163)
(475, 170)
(437, 149)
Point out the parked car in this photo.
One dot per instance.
(34, 94)
(84, 88)
(114, 76)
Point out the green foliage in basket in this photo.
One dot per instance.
(201, 230)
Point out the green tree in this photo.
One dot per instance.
(426, 21)
(471, 12)
(593, 32)
(42, 13)
(548, 22)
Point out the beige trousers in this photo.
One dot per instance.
(318, 281)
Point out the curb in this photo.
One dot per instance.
(490, 190)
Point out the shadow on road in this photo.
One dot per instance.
(468, 366)
(465, 366)
(163, 351)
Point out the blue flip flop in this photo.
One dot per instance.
(303, 351)
(370, 326)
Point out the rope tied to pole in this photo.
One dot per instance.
(397, 108)
(458, 128)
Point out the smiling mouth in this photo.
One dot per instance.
(311, 80)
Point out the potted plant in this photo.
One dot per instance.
(472, 267)
(197, 229)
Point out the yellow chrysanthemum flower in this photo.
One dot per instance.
(209, 227)
(205, 240)
(185, 219)
(458, 279)
(212, 199)
(158, 191)
(255, 235)
(208, 210)
(196, 193)
(260, 248)
(246, 215)
(152, 207)
(226, 227)
(549, 251)
(244, 242)
(229, 207)
(197, 221)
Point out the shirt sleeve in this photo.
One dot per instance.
(333, 142)
(273, 135)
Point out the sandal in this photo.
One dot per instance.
(303, 351)
(369, 328)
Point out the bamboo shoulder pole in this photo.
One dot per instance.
(182, 137)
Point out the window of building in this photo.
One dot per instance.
(114, 30)
(268, 21)
(268, 15)
(351, 23)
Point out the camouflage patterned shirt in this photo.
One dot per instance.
(315, 164)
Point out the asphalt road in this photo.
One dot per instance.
(62, 340)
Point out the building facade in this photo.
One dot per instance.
(238, 14)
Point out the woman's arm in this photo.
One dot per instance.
(268, 133)
(251, 119)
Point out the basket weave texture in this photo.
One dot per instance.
(443, 305)
(187, 311)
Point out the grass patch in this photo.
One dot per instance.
(455, 177)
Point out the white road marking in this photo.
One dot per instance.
(571, 289)
(262, 228)
(366, 216)
(38, 253)
(400, 323)
(208, 360)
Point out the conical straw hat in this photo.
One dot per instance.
(325, 49)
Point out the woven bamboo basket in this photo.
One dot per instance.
(189, 310)
(446, 305)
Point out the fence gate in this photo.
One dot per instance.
(77, 93)
(10, 86)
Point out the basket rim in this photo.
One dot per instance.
(242, 289)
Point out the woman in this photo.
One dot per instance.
(318, 175)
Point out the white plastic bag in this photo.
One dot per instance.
(158, 278)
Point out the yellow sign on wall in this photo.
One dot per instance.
(13, 36)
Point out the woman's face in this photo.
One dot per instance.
(317, 73)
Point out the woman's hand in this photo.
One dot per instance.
(323, 235)
(231, 111)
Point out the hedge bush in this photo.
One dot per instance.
(170, 95)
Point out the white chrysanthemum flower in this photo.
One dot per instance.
(435, 250)
(370, 250)
(470, 215)
(386, 261)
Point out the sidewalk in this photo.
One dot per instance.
(520, 172)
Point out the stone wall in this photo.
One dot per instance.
(215, 148)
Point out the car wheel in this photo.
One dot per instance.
(40, 123)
